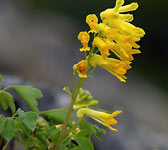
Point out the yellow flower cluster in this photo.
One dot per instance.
(125, 35)
(101, 117)
(114, 34)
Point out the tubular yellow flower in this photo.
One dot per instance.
(113, 18)
(102, 117)
(129, 7)
(124, 49)
(102, 46)
(126, 35)
(84, 38)
(106, 31)
(81, 67)
(116, 67)
(92, 20)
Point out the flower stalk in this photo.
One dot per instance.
(70, 109)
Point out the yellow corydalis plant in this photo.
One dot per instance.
(101, 117)
(112, 34)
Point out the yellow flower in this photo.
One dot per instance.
(124, 39)
(102, 117)
(114, 19)
(84, 38)
(92, 20)
(123, 48)
(102, 46)
(116, 67)
(106, 31)
(81, 68)
(114, 13)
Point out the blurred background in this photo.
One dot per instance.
(38, 43)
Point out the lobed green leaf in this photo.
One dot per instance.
(57, 115)
(92, 129)
(42, 138)
(9, 129)
(24, 130)
(84, 143)
(2, 121)
(29, 95)
(29, 120)
(6, 100)
(66, 142)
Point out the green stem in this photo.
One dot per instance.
(3, 90)
(78, 88)
(6, 145)
(90, 54)
(70, 109)
(74, 86)
(14, 115)
(91, 71)
(96, 51)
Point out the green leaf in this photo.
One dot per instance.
(16, 136)
(29, 120)
(56, 135)
(92, 129)
(100, 130)
(84, 143)
(2, 121)
(88, 127)
(37, 93)
(66, 89)
(76, 148)
(57, 115)
(9, 129)
(6, 100)
(29, 95)
(51, 130)
(24, 130)
(42, 138)
(65, 142)
(21, 113)
(84, 133)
